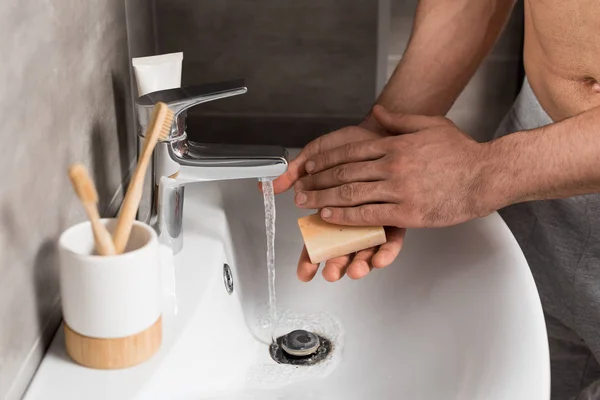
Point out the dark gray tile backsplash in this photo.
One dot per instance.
(305, 58)
(311, 61)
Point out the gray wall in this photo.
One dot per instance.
(65, 97)
(311, 57)
(310, 65)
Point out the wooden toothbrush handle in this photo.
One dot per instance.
(102, 238)
(131, 203)
(132, 199)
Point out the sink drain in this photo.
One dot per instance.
(300, 347)
(300, 343)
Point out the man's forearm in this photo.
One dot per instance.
(556, 161)
(449, 40)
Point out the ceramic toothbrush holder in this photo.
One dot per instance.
(111, 304)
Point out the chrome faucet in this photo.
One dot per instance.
(198, 162)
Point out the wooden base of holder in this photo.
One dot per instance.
(113, 353)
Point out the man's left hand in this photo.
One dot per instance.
(431, 175)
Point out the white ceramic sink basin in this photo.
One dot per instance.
(456, 317)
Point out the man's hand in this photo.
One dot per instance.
(432, 175)
(360, 264)
(330, 141)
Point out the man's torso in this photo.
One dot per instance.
(561, 238)
(562, 54)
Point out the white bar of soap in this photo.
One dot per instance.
(325, 241)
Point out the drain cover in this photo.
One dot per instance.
(300, 348)
(300, 343)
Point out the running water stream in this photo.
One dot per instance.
(269, 198)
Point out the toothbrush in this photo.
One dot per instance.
(86, 191)
(158, 130)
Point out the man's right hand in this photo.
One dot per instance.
(357, 265)
(323, 143)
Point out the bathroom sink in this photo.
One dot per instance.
(456, 317)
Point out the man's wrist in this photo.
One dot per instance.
(502, 177)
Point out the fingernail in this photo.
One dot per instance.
(298, 186)
(326, 213)
(300, 198)
(310, 166)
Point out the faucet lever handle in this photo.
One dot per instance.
(181, 99)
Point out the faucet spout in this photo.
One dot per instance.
(209, 162)
(200, 162)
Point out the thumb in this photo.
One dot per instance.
(400, 123)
